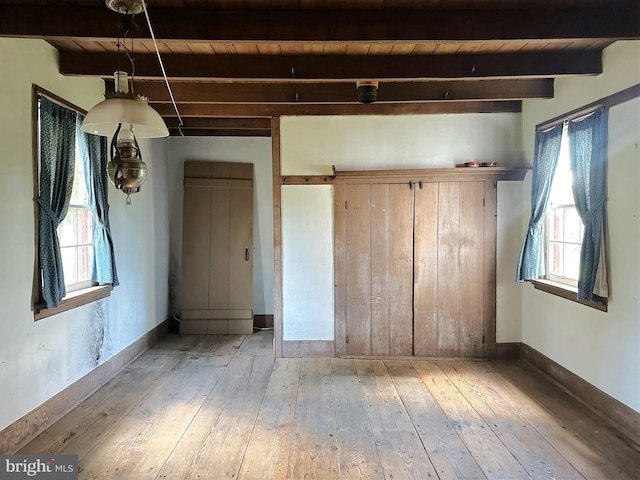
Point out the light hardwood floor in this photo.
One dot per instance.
(221, 407)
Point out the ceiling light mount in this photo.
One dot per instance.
(367, 91)
(126, 7)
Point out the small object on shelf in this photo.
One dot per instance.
(472, 164)
(488, 164)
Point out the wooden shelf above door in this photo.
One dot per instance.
(460, 174)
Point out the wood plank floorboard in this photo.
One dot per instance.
(222, 407)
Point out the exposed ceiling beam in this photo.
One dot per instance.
(338, 67)
(204, 132)
(346, 92)
(227, 110)
(190, 123)
(312, 25)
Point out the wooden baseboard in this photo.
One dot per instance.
(40, 418)
(308, 348)
(263, 321)
(508, 351)
(623, 418)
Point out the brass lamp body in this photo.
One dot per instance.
(126, 169)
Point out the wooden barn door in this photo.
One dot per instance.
(414, 269)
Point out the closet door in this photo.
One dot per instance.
(379, 269)
(415, 269)
(449, 270)
(217, 259)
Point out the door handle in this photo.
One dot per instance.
(246, 254)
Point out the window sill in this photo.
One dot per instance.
(74, 300)
(568, 292)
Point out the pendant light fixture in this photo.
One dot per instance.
(123, 115)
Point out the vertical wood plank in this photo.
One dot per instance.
(380, 314)
(143, 441)
(400, 449)
(446, 450)
(219, 260)
(489, 283)
(357, 454)
(314, 447)
(495, 460)
(268, 451)
(208, 448)
(471, 269)
(448, 268)
(425, 322)
(340, 268)
(195, 248)
(401, 199)
(528, 446)
(277, 235)
(241, 242)
(358, 270)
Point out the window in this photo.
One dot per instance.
(563, 250)
(75, 234)
(563, 226)
(75, 262)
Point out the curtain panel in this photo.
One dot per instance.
(93, 152)
(57, 162)
(588, 156)
(547, 150)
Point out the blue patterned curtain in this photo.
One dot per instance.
(57, 162)
(588, 153)
(547, 151)
(93, 152)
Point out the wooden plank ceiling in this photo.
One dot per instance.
(233, 64)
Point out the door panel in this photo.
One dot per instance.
(219, 238)
(448, 268)
(471, 269)
(241, 248)
(380, 339)
(195, 248)
(401, 269)
(426, 271)
(358, 270)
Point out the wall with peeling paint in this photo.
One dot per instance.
(39, 359)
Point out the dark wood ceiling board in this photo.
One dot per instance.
(197, 123)
(360, 48)
(346, 67)
(174, 132)
(185, 93)
(369, 4)
(331, 25)
(274, 110)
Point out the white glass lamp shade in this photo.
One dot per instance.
(103, 119)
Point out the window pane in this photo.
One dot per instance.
(69, 265)
(85, 255)
(67, 229)
(571, 261)
(79, 195)
(85, 226)
(556, 223)
(573, 226)
(556, 259)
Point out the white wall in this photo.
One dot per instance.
(311, 145)
(307, 243)
(38, 359)
(226, 149)
(603, 348)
